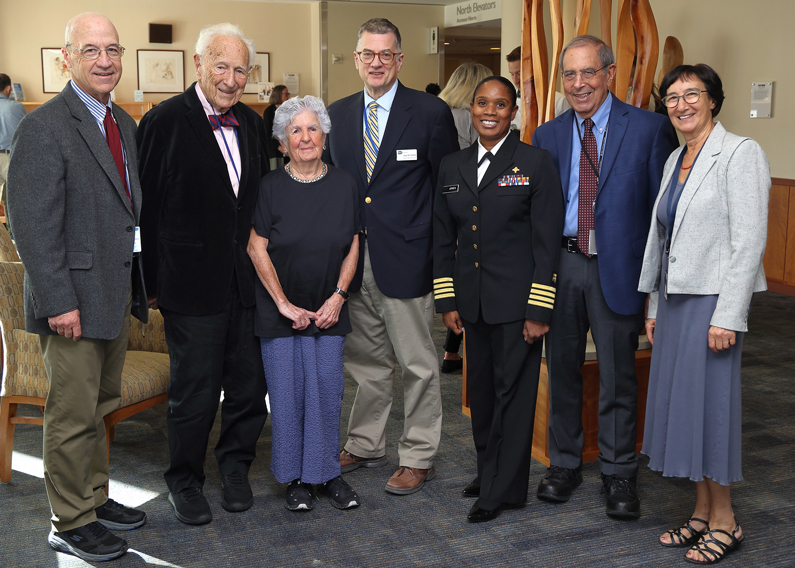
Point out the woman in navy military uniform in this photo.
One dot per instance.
(498, 217)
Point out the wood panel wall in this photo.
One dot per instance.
(780, 252)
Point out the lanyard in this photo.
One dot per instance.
(228, 151)
(601, 151)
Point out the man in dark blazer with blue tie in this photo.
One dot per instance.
(391, 139)
(610, 157)
(202, 158)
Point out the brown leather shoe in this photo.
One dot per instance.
(408, 480)
(350, 462)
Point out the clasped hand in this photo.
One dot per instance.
(325, 317)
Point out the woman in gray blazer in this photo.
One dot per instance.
(703, 262)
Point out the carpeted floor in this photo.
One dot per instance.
(430, 528)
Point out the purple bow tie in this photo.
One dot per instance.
(227, 119)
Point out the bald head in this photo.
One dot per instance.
(79, 23)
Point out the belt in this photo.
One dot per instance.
(570, 244)
(5, 151)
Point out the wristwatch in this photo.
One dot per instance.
(342, 293)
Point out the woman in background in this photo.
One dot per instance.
(703, 262)
(279, 94)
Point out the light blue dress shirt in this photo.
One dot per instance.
(11, 113)
(600, 118)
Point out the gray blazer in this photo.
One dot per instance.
(72, 219)
(719, 232)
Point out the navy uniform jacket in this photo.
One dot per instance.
(397, 205)
(496, 246)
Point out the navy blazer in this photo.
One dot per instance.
(194, 228)
(637, 146)
(396, 206)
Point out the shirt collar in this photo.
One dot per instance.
(482, 151)
(96, 108)
(384, 101)
(2, 96)
(600, 117)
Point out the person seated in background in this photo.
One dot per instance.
(458, 94)
(279, 94)
(305, 246)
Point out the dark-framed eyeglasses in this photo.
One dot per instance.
(386, 57)
(691, 97)
(585, 74)
(91, 53)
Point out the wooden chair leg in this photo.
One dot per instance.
(7, 412)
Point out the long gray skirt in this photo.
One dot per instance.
(693, 408)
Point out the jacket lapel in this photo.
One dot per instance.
(501, 161)
(563, 140)
(128, 139)
(399, 118)
(705, 162)
(197, 118)
(354, 126)
(468, 168)
(243, 145)
(616, 128)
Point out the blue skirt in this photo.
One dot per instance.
(305, 386)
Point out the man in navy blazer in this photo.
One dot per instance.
(598, 275)
(391, 140)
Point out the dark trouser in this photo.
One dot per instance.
(580, 305)
(210, 353)
(453, 342)
(502, 378)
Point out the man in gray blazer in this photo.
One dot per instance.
(75, 200)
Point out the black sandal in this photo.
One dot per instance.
(679, 540)
(714, 550)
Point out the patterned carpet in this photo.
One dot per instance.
(430, 528)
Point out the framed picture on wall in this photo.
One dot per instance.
(54, 73)
(260, 72)
(161, 71)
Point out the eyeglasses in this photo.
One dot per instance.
(92, 53)
(585, 74)
(368, 57)
(691, 97)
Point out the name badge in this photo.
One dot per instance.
(137, 241)
(450, 189)
(407, 155)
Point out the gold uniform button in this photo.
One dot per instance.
(367, 200)
(474, 227)
(474, 208)
(476, 247)
(476, 265)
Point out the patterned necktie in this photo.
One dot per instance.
(114, 143)
(226, 119)
(371, 139)
(588, 185)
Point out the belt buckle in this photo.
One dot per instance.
(571, 245)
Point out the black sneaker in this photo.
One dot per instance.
(117, 517)
(237, 493)
(91, 542)
(341, 494)
(622, 497)
(558, 484)
(191, 506)
(300, 496)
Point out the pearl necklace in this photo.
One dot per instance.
(322, 173)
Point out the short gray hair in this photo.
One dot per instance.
(603, 50)
(285, 115)
(208, 33)
(379, 26)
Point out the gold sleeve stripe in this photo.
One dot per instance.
(445, 279)
(542, 299)
(443, 288)
(543, 305)
(542, 287)
(543, 293)
(439, 285)
(442, 296)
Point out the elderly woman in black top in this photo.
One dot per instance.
(304, 245)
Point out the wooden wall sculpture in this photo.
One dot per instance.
(636, 49)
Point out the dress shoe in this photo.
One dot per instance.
(471, 490)
(117, 517)
(558, 484)
(408, 480)
(191, 506)
(478, 515)
(237, 493)
(91, 542)
(622, 497)
(350, 462)
(452, 366)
